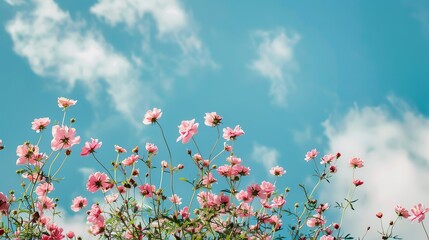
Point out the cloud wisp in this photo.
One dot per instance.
(396, 163)
(60, 48)
(266, 156)
(275, 61)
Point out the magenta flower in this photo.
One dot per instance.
(98, 181)
(232, 134)
(212, 119)
(64, 137)
(418, 212)
(184, 213)
(78, 203)
(357, 182)
(40, 123)
(90, 147)
(401, 212)
(277, 171)
(311, 154)
(65, 102)
(152, 116)
(187, 129)
(356, 162)
(4, 204)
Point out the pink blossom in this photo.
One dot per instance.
(356, 162)
(40, 123)
(78, 203)
(233, 160)
(268, 188)
(322, 207)
(311, 154)
(130, 160)
(208, 180)
(316, 220)
(120, 149)
(227, 147)
(357, 182)
(225, 171)
(418, 212)
(327, 237)
(70, 234)
(175, 199)
(65, 102)
(55, 232)
(147, 190)
(184, 213)
(328, 158)
(212, 119)
(164, 164)
(111, 198)
(45, 203)
(332, 169)
(275, 221)
(244, 210)
(256, 191)
(151, 148)
(240, 170)
(232, 134)
(27, 154)
(64, 137)
(244, 196)
(277, 171)
(98, 181)
(401, 212)
(278, 201)
(44, 188)
(90, 147)
(187, 129)
(4, 204)
(95, 215)
(152, 116)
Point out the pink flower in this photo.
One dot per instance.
(175, 199)
(379, 215)
(95, 215)
(151, 148)
(147, 190)
(44, 188)
(244, 210)
(64, 137)
(70, 234)
(232, 134)
(111, 198)
(356, 162)
(130, 160)
(322, 207)
(277, 171)
(4, 204)
(45, 203)
(327, 237)
(90, 147)
(40, 123)
(332, 169)
(316, 220)
(233, 160)
(55, 232)
(152, 116)
(212, 119)
(187, 129)
(328, 158)
(184, 213)
(278, 201)
(357, 182)
(268, 187)
(208, 180)
(256, 191)
(65, 102)
(227, 147)
(27, 154)
(98, 181)
(244, 196)
(311, 154)
(418, 212)
(78, 203)
(119, 149)
(402, 212)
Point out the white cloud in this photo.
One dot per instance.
(394, 149)
(172, 21)
(75, 223)
(276, 61)
(56, 46)
(265, 155)
(14, 2)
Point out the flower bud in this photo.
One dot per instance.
(379, 214)
(68, 152)
(72, 120)
(136, 150)
(180, 166)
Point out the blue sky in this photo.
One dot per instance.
(347, 77)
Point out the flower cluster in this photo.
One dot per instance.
(134, 206)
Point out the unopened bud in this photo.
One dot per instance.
(72, 120)
(68, 152)
(136, 150)
(379, 214)
(180, 166)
